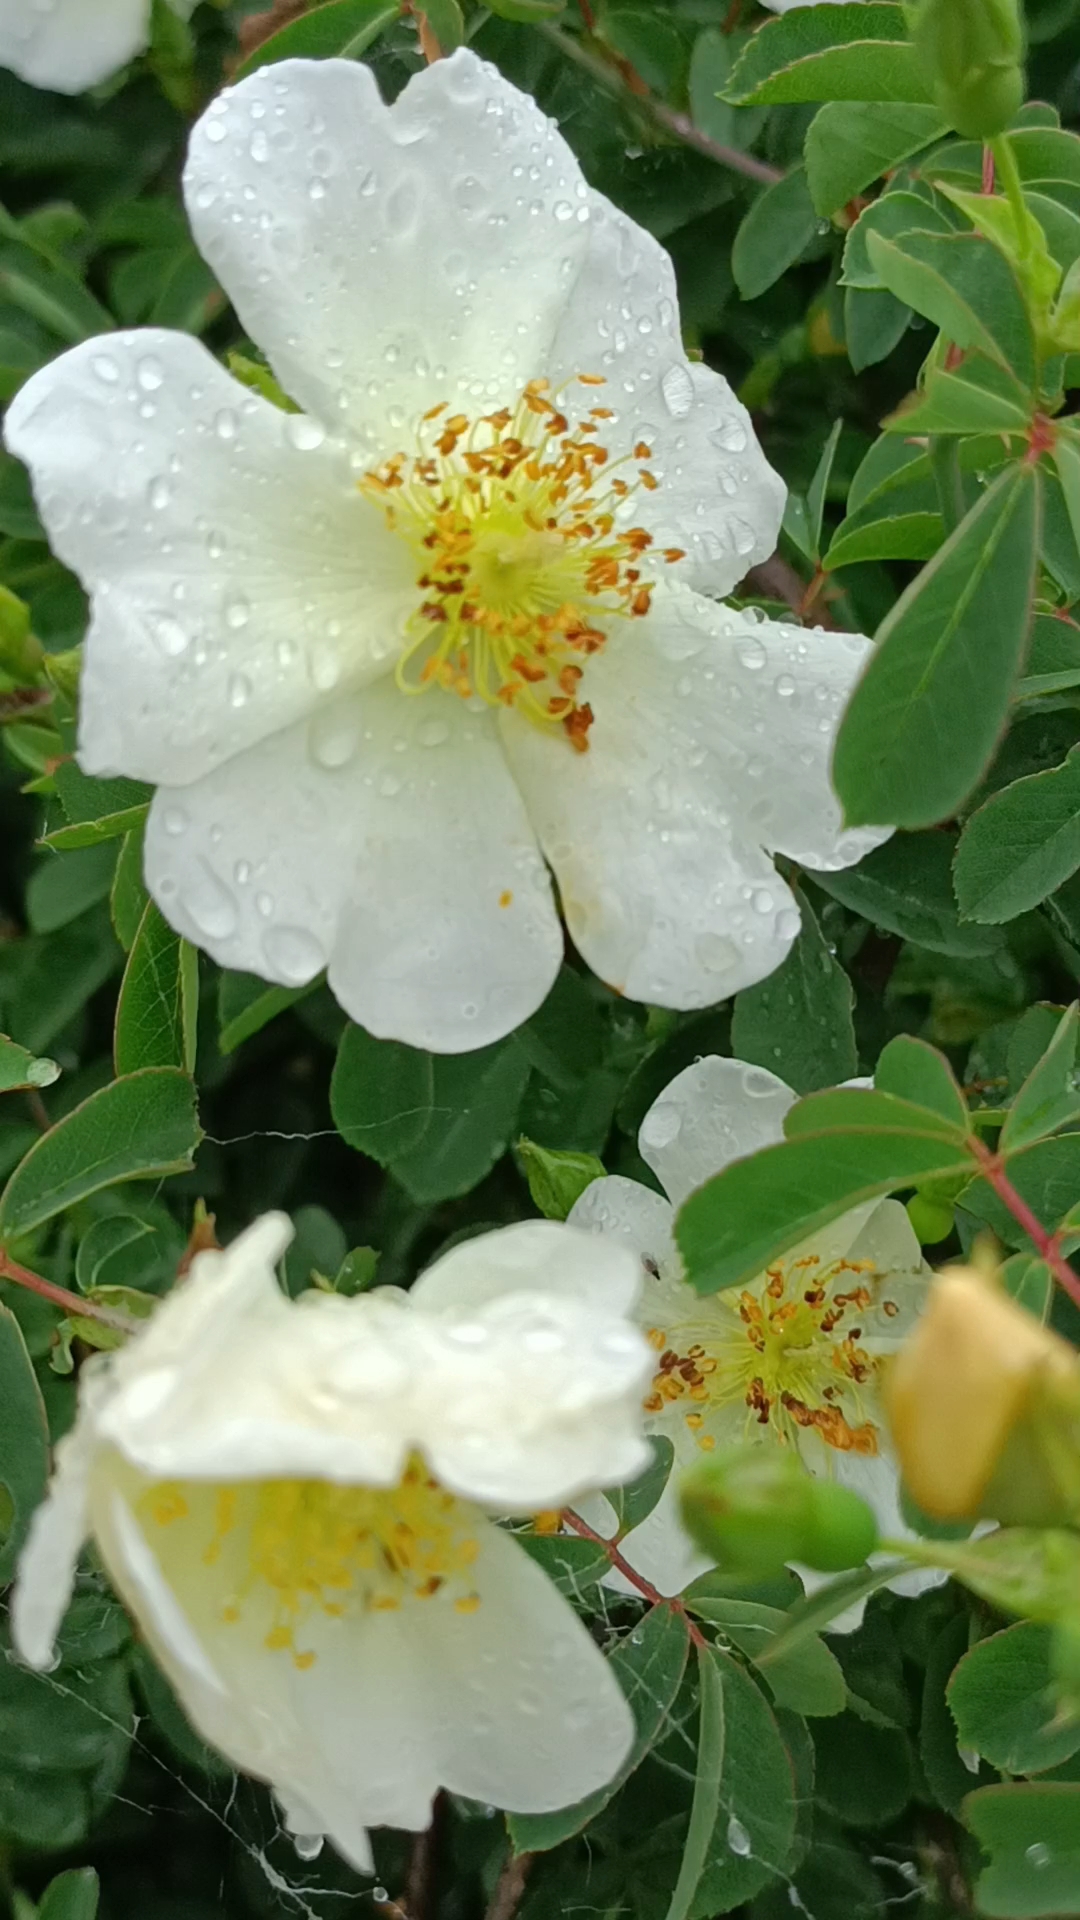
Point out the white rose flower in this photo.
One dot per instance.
(788, 6)
(291, 1497)
(389, 658)
(68, 45)
(794, 1358)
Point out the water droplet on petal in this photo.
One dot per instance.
(661, 1125)
(306, 434)
(678, 390)
(293, 953)
(210, 906)
(308, 1845)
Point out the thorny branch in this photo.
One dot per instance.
(1047, 1245)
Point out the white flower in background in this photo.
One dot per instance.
(796, 1356)
(788, 6)
(292, 1497)
(71, 44)
(387, 657)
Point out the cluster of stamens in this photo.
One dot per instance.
(313, 1547)
(512, 517)
(792, 1356)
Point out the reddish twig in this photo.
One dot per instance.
(988, 181)
(1047, 1245)
(510, 1886)
(637, 1581)
(72, 1303)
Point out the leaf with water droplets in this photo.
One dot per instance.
(1032, 1835)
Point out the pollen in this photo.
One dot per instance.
(290, 1553)
(790, 1350)
(521, 566)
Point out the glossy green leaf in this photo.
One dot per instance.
(808, 1679)
(475, 1102)
(381, 1094)
(633, 1503)
(734, 1225)
(137, 1128)
(71, 1896)
(1032, 1836)
(912, 1070)
(752, 1839)
(925, 716)
(905, 887)
(342, 29)
(128, 898)
(858, 52)
(798, 1021)
(158, 1006)
(1002, 1699)
(22, 1071)
(95, 810)
(967, 288)
(778, 228)
(708, 1770)
(24, 1443)
(1049, 1097)
(1021, 844)
(850, 145)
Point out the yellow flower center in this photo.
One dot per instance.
(788, 1350)
(293, 1549)
(511, 517)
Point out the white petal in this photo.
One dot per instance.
(625, 1211)
(69, 45)
(248, 1702)
(769, 697)
(388, 258)
(385, 838)
(47, 1564)
(666, 893)
(525, 1710)
(718, 498)
(714, 1112)
(537, 1257)
(237, 575)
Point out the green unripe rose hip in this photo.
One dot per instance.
(753, 1508)
(971, 52)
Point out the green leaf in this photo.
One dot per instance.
(475, 1101)
(20, 1071)
(342, 29)
(798, 1022)
(849, 145)
(808, 1679)
(556, 1180)
(913, 1070)
(874, 323)
(381, 1094)
(754, 1835)
(1023, 1570)
(649, 1665)
(923, 720)
(24, 1443)
(947, 1775)
(905, 887)
(778, 228)
(246, 1005)
(977, 398)
(752, 1212)
(1002, 1700)
(64, 885)
(1021, 844)
(898, 211)
(127, 901)
(71, 1896)
(818, 1609)
(137, 1128)
(1046, 1175)
(158, 1006)
(864, 1771)
(1049, 1097)
(910, 1062)
(96, 810)
(573, 1565)
(968, 289)
(856, 52)
(708, 1769)
(1032, 1834)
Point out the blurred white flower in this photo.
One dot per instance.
(787, 6)
(795, 1357)
(390, 658)
(291, 1498)
(67, 45)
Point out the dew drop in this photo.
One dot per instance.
(214, 131)
(210, 907)
(304, 433)
(661, 1125)
(432, 733)
(1038, 1854)
(226, 424)
(106, 369)
(738, 1839)
(159, 493)
(678, 390)
(240, 690)
(730, 438)
(308, 1845)
(237, 613)
(715, 952)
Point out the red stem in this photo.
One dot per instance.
(988, 181)
(1046, 1244)
(636, 1580)
(60, 1297)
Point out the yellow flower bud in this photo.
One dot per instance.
(961, 1390)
